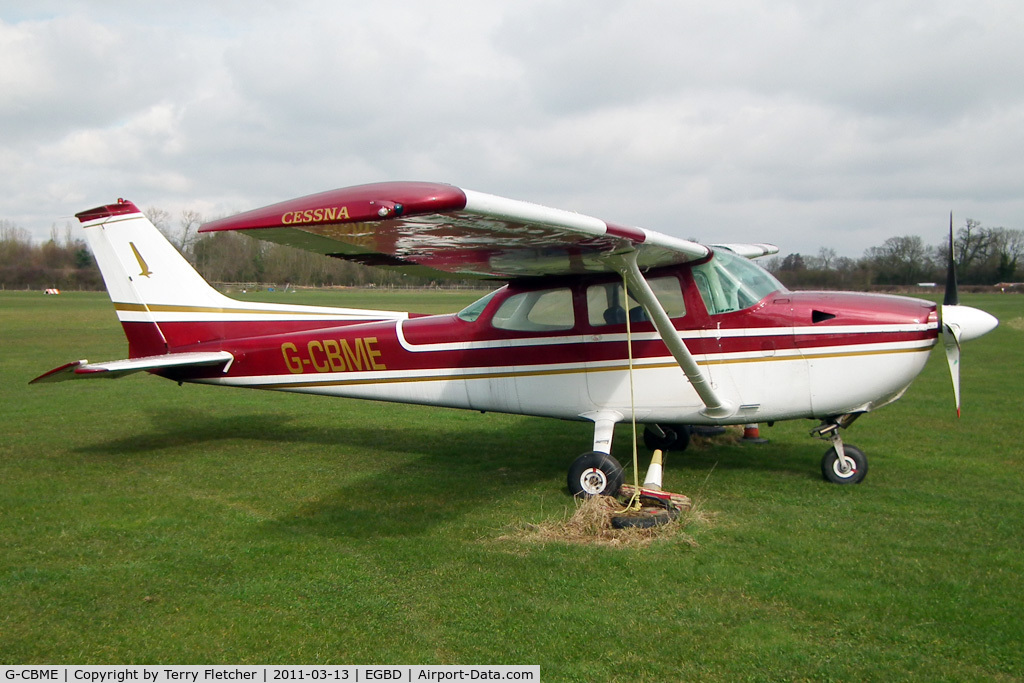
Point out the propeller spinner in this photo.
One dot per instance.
(959, 323)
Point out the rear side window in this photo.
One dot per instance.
(606, 304)
(547, 310)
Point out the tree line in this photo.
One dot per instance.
(234, 257)
(984, 256)
(63, 261)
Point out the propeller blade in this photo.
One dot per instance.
(959, 323)
(951, 342)
(952, 298)
(951, 332)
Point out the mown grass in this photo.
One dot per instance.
(142, 522)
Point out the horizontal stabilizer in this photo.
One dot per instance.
(83, 369)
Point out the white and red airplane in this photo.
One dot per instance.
(597, 322)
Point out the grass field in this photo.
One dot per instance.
(143, 522)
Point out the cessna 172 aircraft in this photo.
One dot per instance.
(596, 321)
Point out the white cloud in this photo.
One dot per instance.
(807, 124)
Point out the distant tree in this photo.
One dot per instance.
(792, 262)
(827, 256)
(972, 247)
(15, 244)
(61, 261)
(161, 218)
(902, 260)
(189, 222)
(1008, 248)
(985, 256)
(229, 257)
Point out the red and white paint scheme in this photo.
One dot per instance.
(596, 322)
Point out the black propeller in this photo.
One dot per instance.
(952, 298)
(958, 323)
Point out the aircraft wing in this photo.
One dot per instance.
(83, 369)
(435, 229)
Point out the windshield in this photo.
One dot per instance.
(471, 312)
(732, 283)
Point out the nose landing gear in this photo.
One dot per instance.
(842, 463)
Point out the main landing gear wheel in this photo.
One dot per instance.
(595, 474)
(833, 471)
(676, 438)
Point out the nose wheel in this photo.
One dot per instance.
(850, 470)
(842, 463)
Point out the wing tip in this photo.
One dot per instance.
(355, 204)
(751, 251)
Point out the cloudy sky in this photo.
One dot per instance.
(805, 123)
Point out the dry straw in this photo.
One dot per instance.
(590, 524)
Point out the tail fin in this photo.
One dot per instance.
(140, 267)
(144, 274)
(165, 306)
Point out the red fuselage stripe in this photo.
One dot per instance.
(302, 347)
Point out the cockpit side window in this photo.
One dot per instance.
(606, 304)
(546, 310)
(730, 283)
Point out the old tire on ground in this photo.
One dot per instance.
(645, 518)
(595, 474)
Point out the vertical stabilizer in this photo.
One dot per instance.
(144, 274)
(140, 267)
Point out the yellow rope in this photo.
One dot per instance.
(634, 502)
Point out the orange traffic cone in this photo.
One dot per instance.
(751, 434)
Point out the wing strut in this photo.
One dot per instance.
(714, 405)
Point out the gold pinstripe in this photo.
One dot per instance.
(172, 308)
(575, 370)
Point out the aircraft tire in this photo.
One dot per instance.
(594, 474)
(676, 439)
(830, 466)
